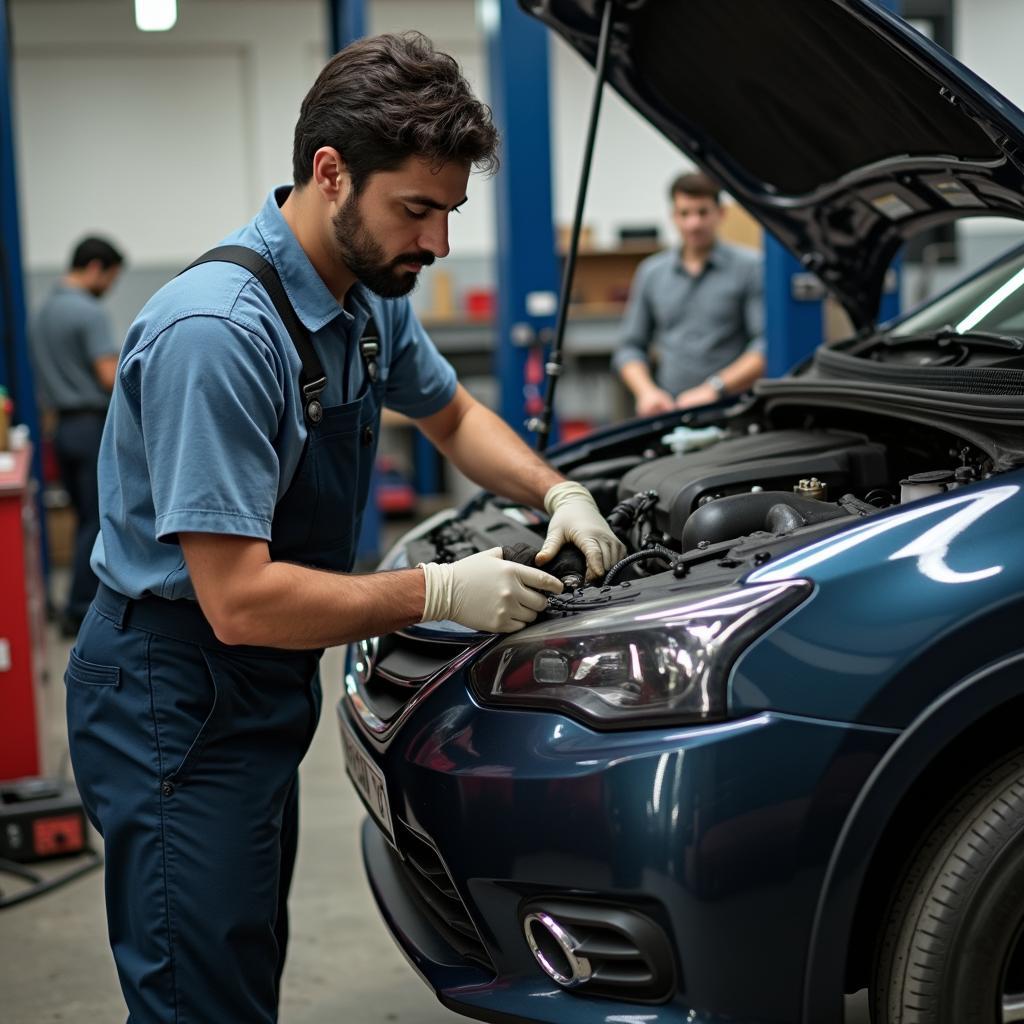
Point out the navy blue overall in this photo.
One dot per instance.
(186, 752)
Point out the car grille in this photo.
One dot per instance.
(390, 671)
(437, 896)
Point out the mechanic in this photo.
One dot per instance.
(700, 306)
(74, 358)
(232, 483)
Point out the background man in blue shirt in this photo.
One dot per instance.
(700, 307)
(74, 356)
(232, 482)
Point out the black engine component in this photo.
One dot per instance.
(773, 460)
(628, 512)
(777, 512)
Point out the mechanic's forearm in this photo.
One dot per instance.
(503, 464)
(637, 377)
(295, 607)
(742, 372)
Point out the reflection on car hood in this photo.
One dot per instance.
(839, 127)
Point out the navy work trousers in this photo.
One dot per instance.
(186, 753)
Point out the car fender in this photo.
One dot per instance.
(940, 724)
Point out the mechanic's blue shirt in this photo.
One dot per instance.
(206, 429)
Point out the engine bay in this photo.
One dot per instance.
(708, 503)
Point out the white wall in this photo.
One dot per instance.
(633, 164)
(986, 36)
(451, 25)
(165, 141)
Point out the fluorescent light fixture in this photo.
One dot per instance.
(488, 16)
(155, 15)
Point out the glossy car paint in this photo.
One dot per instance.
(906, 605)
(704, 829)
(724, 833)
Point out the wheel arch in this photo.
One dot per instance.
(954, 738)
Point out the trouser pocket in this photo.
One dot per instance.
(214, 709)
(187, 705)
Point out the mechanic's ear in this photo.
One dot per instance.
(331, 175)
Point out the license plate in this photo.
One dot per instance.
(368, 780)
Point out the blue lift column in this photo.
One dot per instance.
(347, 22)
(527, 269)
(794, 298)
(15, 369)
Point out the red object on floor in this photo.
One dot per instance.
(61, 834)
(22, 619)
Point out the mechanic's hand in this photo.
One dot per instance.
(654, 401)
(575, 518)
(485, 592)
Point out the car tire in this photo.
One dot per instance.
(948, 952)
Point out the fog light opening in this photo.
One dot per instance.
(555, 950)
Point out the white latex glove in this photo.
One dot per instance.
(485, 592)
(575, 519)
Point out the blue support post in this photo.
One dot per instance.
(526, 265)
(426, 472)
(348, 23)
(15, 367)
(793, 314)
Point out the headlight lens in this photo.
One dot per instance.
(668, 660)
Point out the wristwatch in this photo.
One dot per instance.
(717, 385)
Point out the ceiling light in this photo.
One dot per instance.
(156, 15)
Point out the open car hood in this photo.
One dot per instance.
(839, 127)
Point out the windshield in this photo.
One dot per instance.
(993, 301)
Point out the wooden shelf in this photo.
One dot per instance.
(632, 250)
(577, 311)
(600, 287)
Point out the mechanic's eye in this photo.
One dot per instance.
(415, 214)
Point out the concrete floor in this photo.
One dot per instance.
(343, 967)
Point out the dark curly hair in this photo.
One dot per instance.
(386, 98)
(696, 186)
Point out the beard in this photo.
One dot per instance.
(364, 255)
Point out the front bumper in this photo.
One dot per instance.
(719, 833)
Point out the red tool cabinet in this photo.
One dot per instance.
(22, 619)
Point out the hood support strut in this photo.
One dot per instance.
(553, 368)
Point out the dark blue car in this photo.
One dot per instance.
(778, 754)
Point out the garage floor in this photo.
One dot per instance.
(55, 964)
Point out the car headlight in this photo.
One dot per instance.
(667, 660)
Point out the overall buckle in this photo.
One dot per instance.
(311, 393)
(369, 349)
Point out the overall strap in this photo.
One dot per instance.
(312, 380)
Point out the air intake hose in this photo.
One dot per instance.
(568, 565)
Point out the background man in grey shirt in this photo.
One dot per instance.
(699, 306)
(74, 356)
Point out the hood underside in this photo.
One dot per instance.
(838, 126)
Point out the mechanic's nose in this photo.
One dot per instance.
(435, 239)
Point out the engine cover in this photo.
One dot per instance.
(774, 460)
